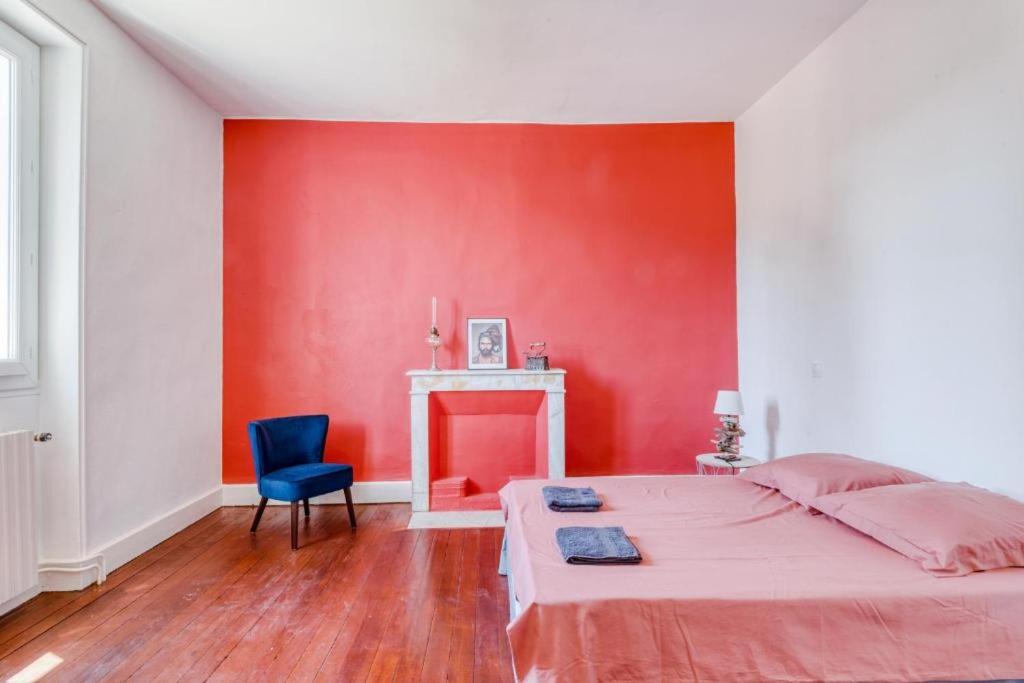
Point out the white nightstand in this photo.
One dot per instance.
(707, 463)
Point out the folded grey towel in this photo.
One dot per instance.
(567, 499)
(596, 545)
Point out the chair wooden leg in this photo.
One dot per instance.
(305, 506)
(295, 525)
(351, 509)
(259, 515)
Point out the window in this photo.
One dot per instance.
(19, 209)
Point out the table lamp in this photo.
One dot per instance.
(729, 405)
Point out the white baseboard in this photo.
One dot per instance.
(76, 574)
(71, 575)
(8, 605)
(362, 492)
(132, 544)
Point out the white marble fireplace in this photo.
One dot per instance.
(552, 382)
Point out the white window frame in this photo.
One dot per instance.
(22, 371)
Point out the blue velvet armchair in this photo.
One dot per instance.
(289, 456)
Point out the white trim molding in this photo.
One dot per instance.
(71, 575)
(128, 546)
(17, 600)
(362, 492)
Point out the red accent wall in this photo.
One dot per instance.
(613, 243)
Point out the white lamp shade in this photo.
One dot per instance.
(729, 403)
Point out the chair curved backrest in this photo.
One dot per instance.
(286, 441)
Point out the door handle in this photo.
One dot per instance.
(43, 437)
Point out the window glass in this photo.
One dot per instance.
(8, 236)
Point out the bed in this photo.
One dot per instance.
(739, 583)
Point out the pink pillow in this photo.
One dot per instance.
(806, 476)
(951, 529)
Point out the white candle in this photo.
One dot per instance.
(433, 312)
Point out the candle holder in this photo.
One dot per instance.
(434, 342)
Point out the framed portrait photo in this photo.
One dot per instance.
(485, 344)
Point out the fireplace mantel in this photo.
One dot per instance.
(422, 382)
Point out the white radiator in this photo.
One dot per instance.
(18, 563)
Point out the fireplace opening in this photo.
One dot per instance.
(480, 441)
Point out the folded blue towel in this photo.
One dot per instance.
(596, 545)
(566, 499)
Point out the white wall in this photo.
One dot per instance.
(880, 200)
(152, 286)
(55, 401)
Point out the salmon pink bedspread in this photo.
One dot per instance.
(738, 583)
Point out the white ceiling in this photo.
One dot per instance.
(573, 61)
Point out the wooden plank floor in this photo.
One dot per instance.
(213, 603)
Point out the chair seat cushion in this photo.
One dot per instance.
(305, 481)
